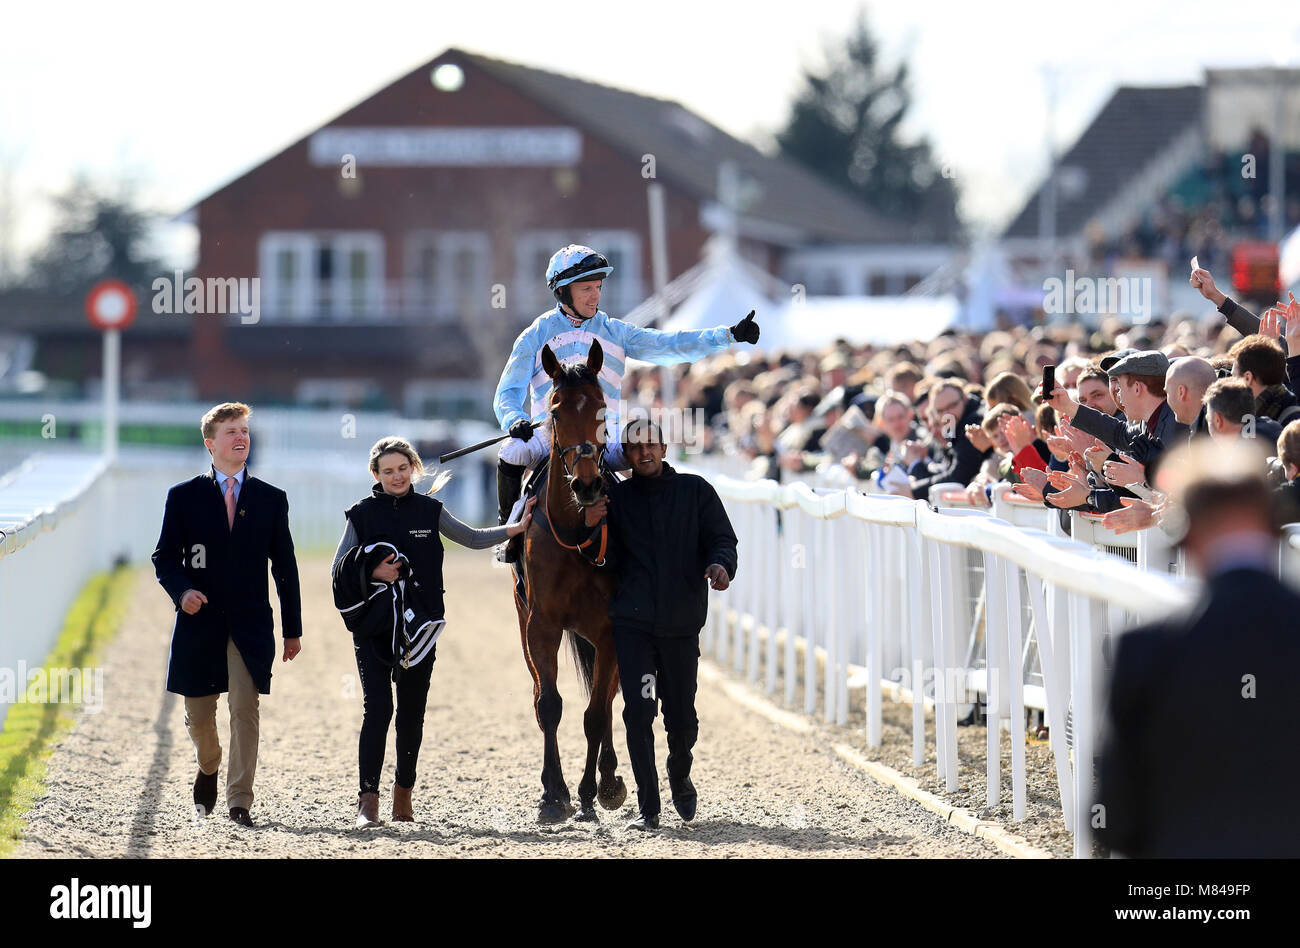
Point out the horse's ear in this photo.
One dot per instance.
(550, 364)
(595, 357)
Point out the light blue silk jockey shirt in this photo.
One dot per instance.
(619, 339)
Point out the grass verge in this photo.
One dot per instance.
(32, 730)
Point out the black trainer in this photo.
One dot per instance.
(644, 823)
(684, 797)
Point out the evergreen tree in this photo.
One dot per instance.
(844, 127)
(96, 236)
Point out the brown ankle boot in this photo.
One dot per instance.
(402, 812)
(368, 810)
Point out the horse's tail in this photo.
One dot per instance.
(584, 656)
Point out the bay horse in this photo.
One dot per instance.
(566, 595)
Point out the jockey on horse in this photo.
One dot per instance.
(575, 276)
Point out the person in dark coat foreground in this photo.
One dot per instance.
(219, 530)
(1195, 758)
(669, 540)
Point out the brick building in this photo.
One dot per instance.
(401, 247)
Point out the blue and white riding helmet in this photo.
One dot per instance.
(573, 263)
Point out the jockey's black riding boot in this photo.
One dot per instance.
(509, 478)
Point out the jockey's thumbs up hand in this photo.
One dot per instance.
(746, 330)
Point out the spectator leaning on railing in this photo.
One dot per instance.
(1139, 442)
(951, 411)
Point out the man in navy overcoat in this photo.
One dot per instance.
(219, 530)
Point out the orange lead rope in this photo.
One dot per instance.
(578, 547)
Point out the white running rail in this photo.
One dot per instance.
(949, 604)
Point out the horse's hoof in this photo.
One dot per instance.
(549, 813)
(587, 814)
(611, 796)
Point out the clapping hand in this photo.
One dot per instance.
(1096, 456)
(1028, 491)
(1125, 471)
(1059, 445)
(913, 451)
(1034, 478)
(977, 438)
(1018, 432)
(1134, 515)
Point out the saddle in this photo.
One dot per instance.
(535, 486)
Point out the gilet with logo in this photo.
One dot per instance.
(410, 523)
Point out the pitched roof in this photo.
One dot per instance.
(1130, 131)
(688, 151)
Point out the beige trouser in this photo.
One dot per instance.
(201, 723)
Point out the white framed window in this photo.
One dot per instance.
(447, 274)
(285, 266)
(621, 293)
(312, 276)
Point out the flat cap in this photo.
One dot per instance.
(1147, 362)
(1110, 360)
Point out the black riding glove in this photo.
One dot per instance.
(746, 330)
(523, 430)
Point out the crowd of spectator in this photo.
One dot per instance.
(969, 409)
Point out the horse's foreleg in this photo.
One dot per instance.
(543, 643)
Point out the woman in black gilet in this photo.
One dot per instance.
(396, 529)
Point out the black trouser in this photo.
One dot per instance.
(654, 667)
(377, 694)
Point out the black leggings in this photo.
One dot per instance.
(377, 694)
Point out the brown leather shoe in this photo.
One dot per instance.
(368, 810)
(402, 812)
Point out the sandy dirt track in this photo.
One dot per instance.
(119, 785)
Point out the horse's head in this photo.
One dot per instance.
(577, 421)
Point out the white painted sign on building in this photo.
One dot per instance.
(425, 147)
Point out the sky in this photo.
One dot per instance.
(182, 98)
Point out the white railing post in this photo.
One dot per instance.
(790, 667)
(995, 668)
(779, 594)
(919, 616)
(1014, 687)
(809, 623)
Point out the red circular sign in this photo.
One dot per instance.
(110, 305)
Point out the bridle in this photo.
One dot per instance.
(581, 450)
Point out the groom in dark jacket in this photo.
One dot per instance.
(669, 539)
(218, 532)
